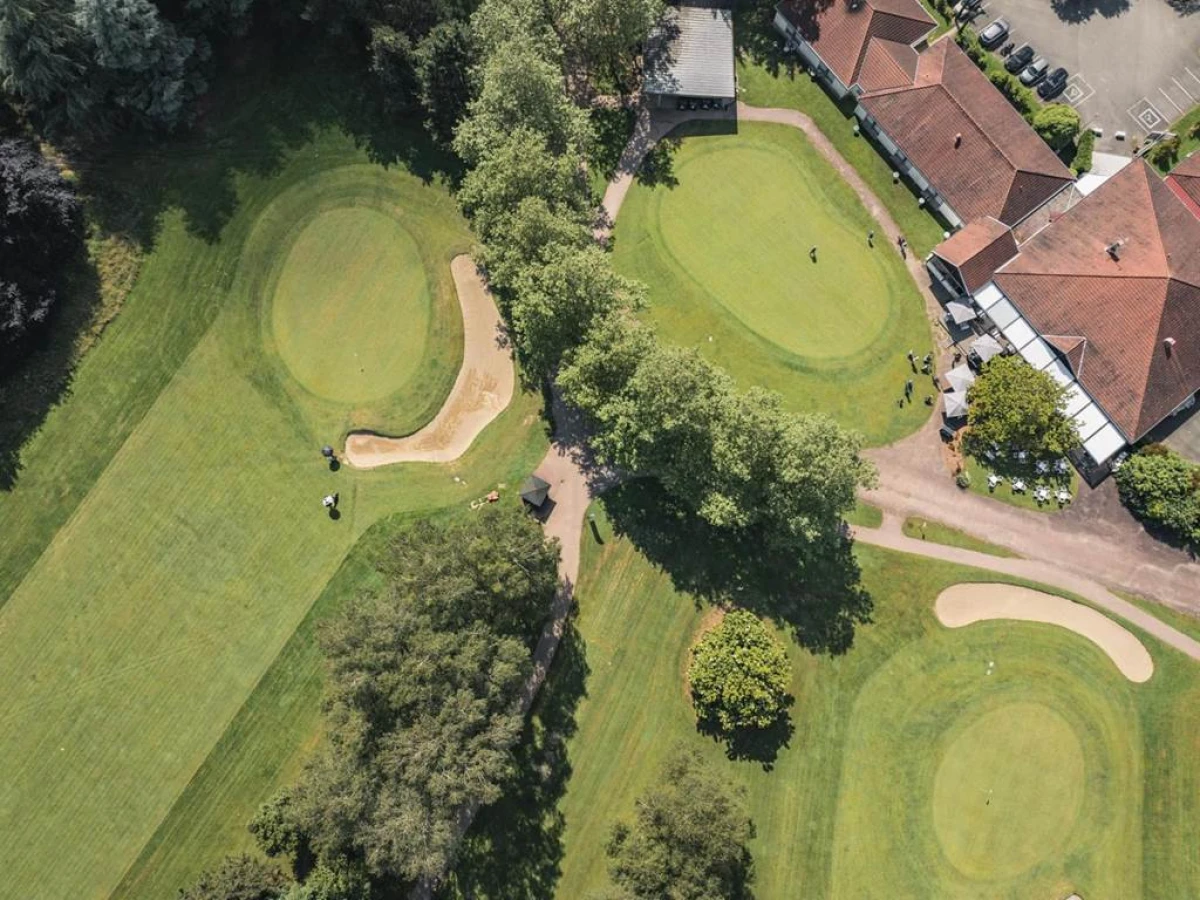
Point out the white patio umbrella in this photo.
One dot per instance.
(956, 404)
(960, 312)
(987, 347)
(960, 377)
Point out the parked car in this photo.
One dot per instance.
(1035, 71)
(1019, 59)
(968, 9)
(994, 34)
(1054, 84)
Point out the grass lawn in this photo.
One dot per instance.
(164, 540)
(724, 252)
(1009, 469)
(911, 772)
(865, 515)
(939, 533)
(1183, 127)
(766, 80)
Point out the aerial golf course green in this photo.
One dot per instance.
(165, 537)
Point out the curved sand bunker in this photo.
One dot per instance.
(963, 604)
(483, 389)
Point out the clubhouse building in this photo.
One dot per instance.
(939, 121)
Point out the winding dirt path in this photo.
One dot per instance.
(964, 604)
(481, 392)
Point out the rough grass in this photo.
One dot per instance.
(164, 540)
(724, 252)
(940, 533)
(847, 809)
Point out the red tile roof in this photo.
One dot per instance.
(841, 30)
(978, 250)
(974, 148)
(1184, 180)
(887, 64)
(1111, 314)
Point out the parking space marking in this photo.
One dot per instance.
(1077, 90)
(1172, 102)
(1146, 114)
(1193, 74)
(1186, 92)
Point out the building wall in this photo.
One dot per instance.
(810, 57)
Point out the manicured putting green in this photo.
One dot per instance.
(723, 246)
(351, 308)
(747, 243)
(1019, 763)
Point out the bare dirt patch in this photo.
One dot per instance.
(483, 389)
(964, 604)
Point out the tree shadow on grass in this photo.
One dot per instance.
(37, 374)
(514, 849)
(760, 745)
(275, 97)
(816, 592)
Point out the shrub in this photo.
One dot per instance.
(1057, 124)
(1161, 487)
(1083, 153)
(1021, 97)
(968, 40)
(1165, 153)
(739, 674)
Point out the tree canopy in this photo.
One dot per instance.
(239, 878)
(422, 697)
(739, 674)
(687, 840)
(1014, 405)
(1057, 123)
(40, 233)
(1163, 488)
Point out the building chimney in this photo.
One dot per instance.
(1169, 345)
(958, 140)
(1114, 250)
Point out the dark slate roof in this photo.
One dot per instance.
(1112, 317)
(974, 148)
(690, 53)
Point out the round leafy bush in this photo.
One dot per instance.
(739, 674)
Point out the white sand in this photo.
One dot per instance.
(483, 389)
(964, 604)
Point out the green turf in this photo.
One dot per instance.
(351, 308)
(725, 255)
(899, 745)
(939, 533)
(865, 515)
(1010, 469)
(165, 538)
(765, 80)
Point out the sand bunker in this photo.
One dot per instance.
(483, 389)
(963, 604)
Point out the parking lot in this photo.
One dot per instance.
(1134, 64)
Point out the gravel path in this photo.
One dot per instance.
(482, 390)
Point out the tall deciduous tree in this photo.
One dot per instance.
(1057, 123)
(239, 878)
(688, 838)
(1013, 404)
(1162, 487)
(555, 304)
(605, 36)
(739, 674)
(442, 63)
(736, 459)
(422, 695)
(39, 233)
(523, 90)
